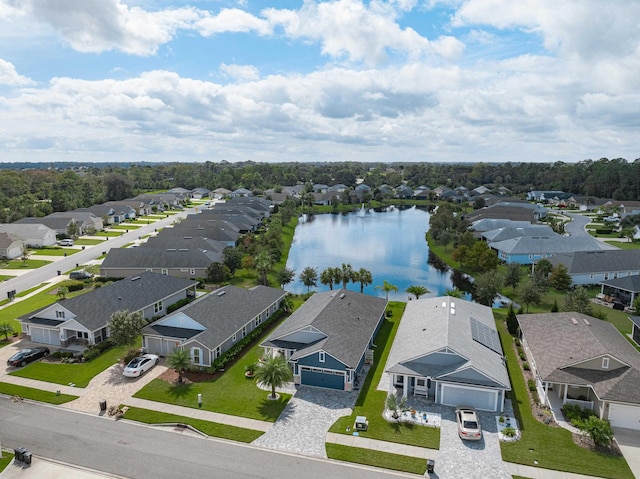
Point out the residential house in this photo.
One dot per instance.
(31, 235)
(85, 318)
(489, 224)
(593, 267)
(622, 292)
(10, 247)
(509, 210)
(200, 193)
(509, 232)
(161, 201)
(635, 329)
(112, 212)
(214, 323)
(448, 350)
(87, 222)
(404, 192)
(529, 249)
(582, 360)
(220, 193)
(328, 339)
(197, 226)
(544, 196)
(241, 192)
(57, 224)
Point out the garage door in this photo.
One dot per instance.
(464, 396)
(45, 336)
(154, 346)
(621, 415)
(323, 378)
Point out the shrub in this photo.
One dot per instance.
(96, 350)
(598, 430)
(62, 354)
(576, 415)
(509, 431)
(531, 384)
(523, 357)
(178, 304)
(74, 285)
(526, 366)
(517, 341)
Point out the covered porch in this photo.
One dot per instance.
(407, 385)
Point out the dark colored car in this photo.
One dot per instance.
(26, 356)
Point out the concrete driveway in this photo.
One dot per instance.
(629, 442)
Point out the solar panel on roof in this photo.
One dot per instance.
(485, 335)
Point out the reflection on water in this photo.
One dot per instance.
(390, 244)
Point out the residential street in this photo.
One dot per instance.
(141, 452)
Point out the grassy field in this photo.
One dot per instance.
(29, 264)
(371, 402)
(35, 394)
(386, 460)
(213, 429)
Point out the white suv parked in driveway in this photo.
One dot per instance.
(66, 242)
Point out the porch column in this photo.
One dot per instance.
(564, 399)
(405, 386)
(546, 393)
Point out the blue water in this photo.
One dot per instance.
(390, 244)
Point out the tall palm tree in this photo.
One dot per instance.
(387, 288)
(263, 265)
(417, 290)
(363, 276)
(326, 277)
(347, 274)
(179, 360)
(274, 372)
(454, 293)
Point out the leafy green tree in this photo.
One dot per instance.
(309, 277)
(513, 275)
(72, 230)
(218, 273)
(417, 290)
(560, 278)
(363, 277)
(273, 372)
(486, 287)
(285, 276)
(460, 255)
(232, 259)
(6, 329)
(542, 267)
(530, 294)
(578, 300)
(599, 430)
(118, 187)
(263, 265)
(124, 328)
(512, 321)
(327, 277)
(387, 288)
(179, 360)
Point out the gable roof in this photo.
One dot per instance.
(222, 312)
(430, 325)
(93, 309)
(151, 257)
(557, 343)
(548, 244)
(595, 261)
(26, 231)
(346, 318)
(627, 283)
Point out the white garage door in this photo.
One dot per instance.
(621, 415)
(465, 396)
(45, 336)
(153, 345)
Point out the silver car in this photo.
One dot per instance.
(468, 424)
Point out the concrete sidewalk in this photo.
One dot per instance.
(41, 468)
(382, 446)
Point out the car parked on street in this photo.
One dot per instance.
(138, 366)
(26, 356)
(468, 424)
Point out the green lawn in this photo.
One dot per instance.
(88, 241)
(387, 460)
(35, 394)
(553, 448)
(231, 393)
(30, 290)
(624, 244)
(78, 374)
(29, 264)
(54, 251)
(4, 277)
(109, 234)
(371, 403)
(124, 227)
(213, 429)
(8, 314)
(6, 459)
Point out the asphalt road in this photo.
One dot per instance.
(576, 229)
(142, 452)
(40, 275)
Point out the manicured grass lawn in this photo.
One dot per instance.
(30, 290)
(4, 277)
(369, 457)
(124, 227)
(213, 429)
(110, 234)
(371, 402)
(54, 251)
(8, 314)
(7, 457)
(553, 448)
(231, 393)
(624, 244)
(29, 264)
(88, 241)
(79, 374)
(35, 394)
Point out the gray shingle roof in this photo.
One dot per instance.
(557, 344)
(599, 261)
(94, 309)
(222, 312)
(548, 244)
(506, 233)
(150, 257)
(628, 283)
(348, 319)
(488, 224)
(432, 324)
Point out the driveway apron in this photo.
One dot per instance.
(302, 427)
(469, 459)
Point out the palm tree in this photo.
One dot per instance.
(6, 329)
(347, 274)
(62, 292)
(326, 277)
(179, 360)
(454, 293)
(417, 291)
(363, 277)
(273, 372)
(263, 264)
(387, 287)
(309, 277)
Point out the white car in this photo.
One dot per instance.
(138, 366)
(468, 424)
(65, 242)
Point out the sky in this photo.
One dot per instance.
(311, 80)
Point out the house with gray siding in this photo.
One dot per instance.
(593, 267)
(10, 247)
(328, 339)
(32, 235)
(212, 324)
(448, 350)
(529, 249)
(84, 319)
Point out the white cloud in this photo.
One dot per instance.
(232, 20)
(9, 75)
(240, 72)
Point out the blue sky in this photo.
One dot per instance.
(337, 80)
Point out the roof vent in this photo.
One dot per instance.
(574, 321)
(221, 293)
(586, 321)
(135, 278)
(341, 295)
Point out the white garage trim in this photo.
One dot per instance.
(479, 398)
(45, 336)
(624, 415)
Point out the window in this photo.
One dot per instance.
(59, 314)
(218, 352)
(157, 307)
(420, 382)
(234, 337)
(258, 320)
(196, 355)
(192, 271)
(605, 363)
(606, 276)
(165, 271)
(321, 357)
(244, 331)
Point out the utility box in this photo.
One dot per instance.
(431, 464)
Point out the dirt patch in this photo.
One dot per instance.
(188, 377)
(587, 443)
